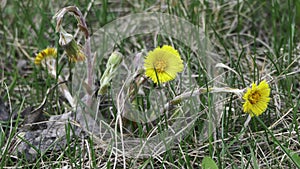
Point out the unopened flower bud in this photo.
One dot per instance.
(112, 65)
(115, 59)
(73, 50)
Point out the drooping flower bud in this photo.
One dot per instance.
(73, 50)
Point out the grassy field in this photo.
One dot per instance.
(253, 41)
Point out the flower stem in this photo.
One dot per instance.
(199, 91)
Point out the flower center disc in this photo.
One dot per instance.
(160, 66)
(254, 97)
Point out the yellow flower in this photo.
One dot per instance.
(257, 99)
(163, 64)
(46, 53)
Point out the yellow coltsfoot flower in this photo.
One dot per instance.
(46, 53)
(163, 64)
(257, 99)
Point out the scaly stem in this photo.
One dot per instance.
(89, 69)
(87, 47)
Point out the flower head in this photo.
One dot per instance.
(74, 51)
(163, 64)
(257, 99)
(46, 53)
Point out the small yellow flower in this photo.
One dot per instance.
(46, 53)
(163, 64)
(257, 99)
